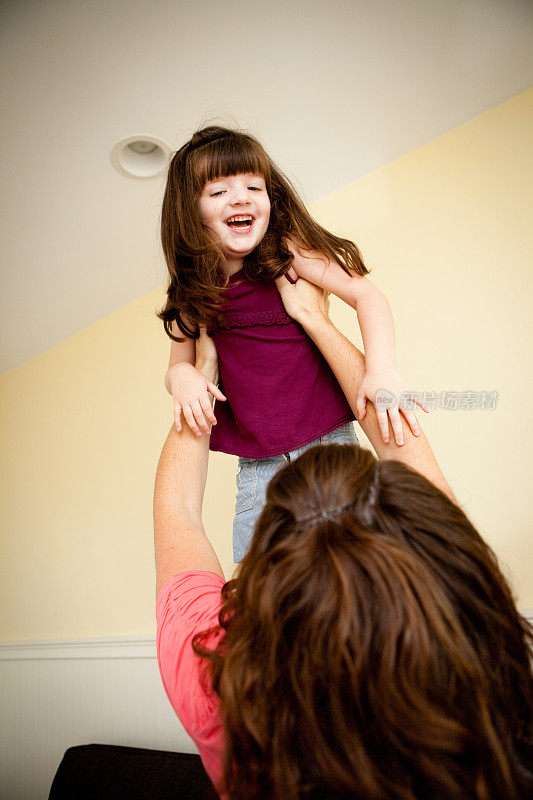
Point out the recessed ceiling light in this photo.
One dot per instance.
(141, 156)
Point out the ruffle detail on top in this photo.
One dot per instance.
(246, 319)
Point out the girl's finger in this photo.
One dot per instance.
(396, 423)
(199, 414)
(208, 411)
(411, 421)
(191, 422)
(422, 405)
(215, 391)
(383, 423)
(177, 416)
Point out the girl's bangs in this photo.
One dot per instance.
(229, 156)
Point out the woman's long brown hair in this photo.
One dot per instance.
(194, 258)
(375, 655)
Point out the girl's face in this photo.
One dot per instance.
(237, 209)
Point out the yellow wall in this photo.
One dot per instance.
(447, 231)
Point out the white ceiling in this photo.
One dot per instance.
(333, 89)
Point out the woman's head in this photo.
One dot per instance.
(196, 250)
(372, 646)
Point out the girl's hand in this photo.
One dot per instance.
(389, 394)
(190, 392)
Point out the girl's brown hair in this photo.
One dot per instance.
(372, 648)
(194, 258)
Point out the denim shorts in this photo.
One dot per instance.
(253, 476)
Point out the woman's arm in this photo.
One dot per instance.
(180, 540)
(306, 303)
(179, 536)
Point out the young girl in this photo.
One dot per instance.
(231, 224)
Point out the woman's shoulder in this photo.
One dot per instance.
(188, 604)
(199, 586)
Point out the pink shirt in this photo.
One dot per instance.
(187, 604)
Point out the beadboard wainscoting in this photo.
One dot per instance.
(57, 694)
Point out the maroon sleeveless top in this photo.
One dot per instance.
(281, 392)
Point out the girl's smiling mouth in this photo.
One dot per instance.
(240, 223)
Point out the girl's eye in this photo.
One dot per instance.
(221, 191)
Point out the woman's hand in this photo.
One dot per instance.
(389, 394)
(191, 390)
(301, 298)
(206, 356)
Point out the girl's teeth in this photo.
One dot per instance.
(240, 223)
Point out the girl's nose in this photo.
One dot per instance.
(241, 196)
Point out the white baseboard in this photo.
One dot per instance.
(108, 647)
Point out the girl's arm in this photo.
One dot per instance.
(382, 383)
(191, 375)
(180, 352)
